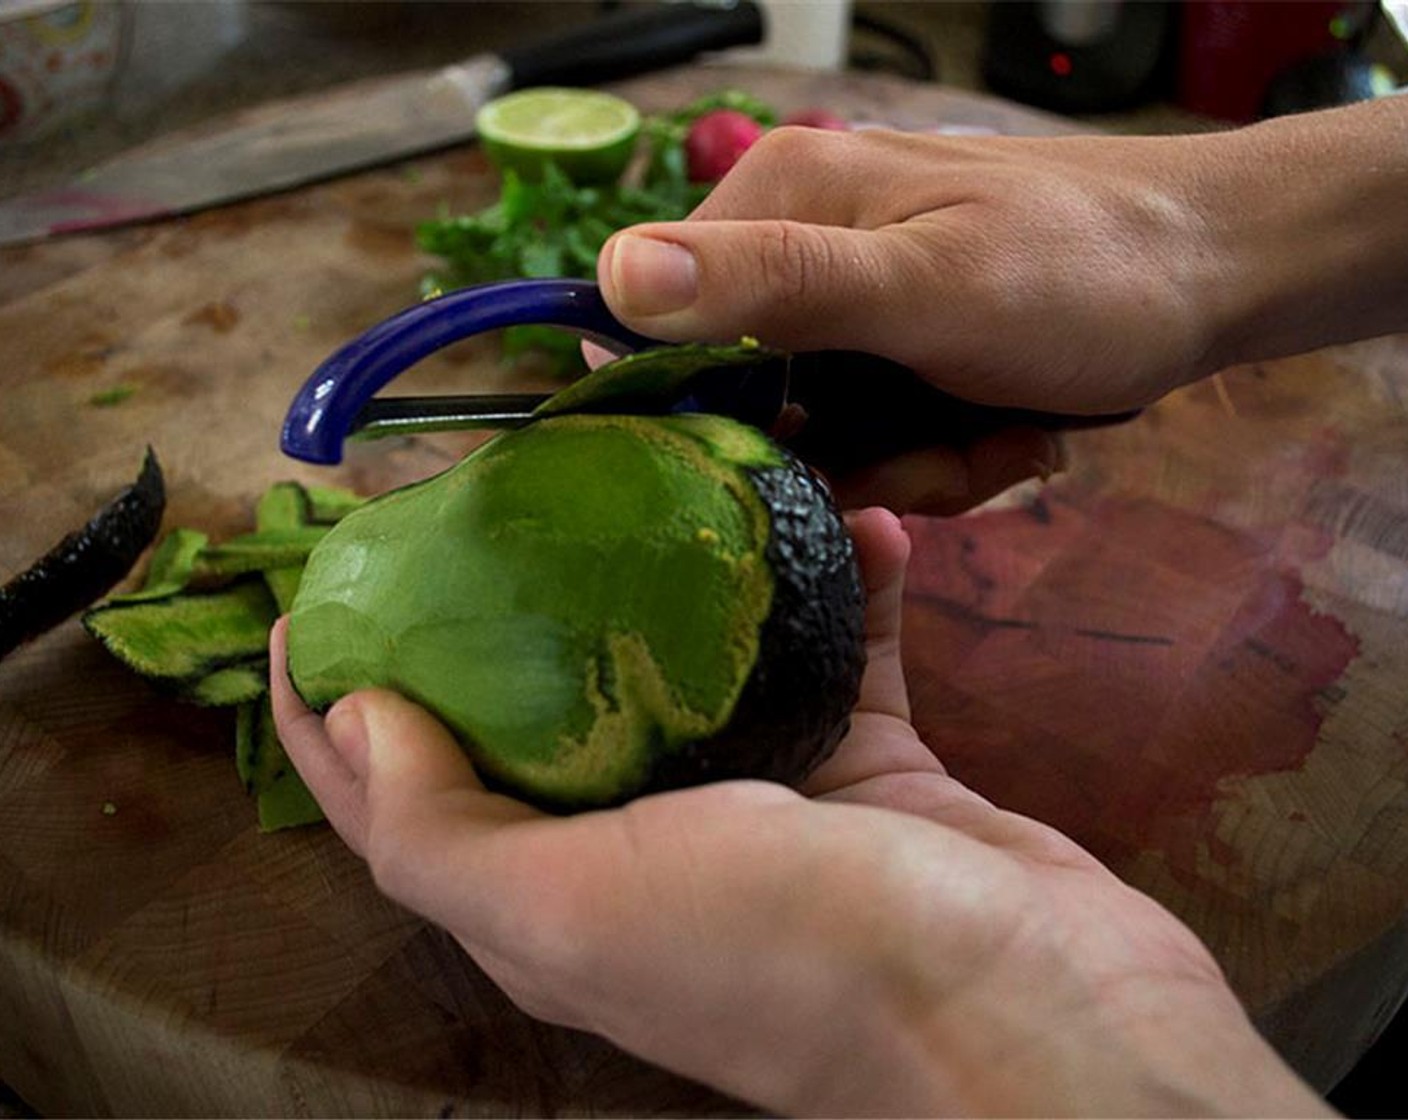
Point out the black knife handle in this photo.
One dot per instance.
(634, 41)
(862, 409)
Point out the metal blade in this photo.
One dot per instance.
(404, 416)
(266, 149)
(753, 395)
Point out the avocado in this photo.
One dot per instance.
(599, 606)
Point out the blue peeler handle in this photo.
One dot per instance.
(323, 410)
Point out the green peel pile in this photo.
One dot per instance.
(199, 628)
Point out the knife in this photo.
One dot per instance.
(306, 139)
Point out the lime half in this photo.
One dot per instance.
(589, 135)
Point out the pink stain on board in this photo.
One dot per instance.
(1107, 670)
(75, 210)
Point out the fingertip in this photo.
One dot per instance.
(878, 523)
(594, 355)
(645, 272)
(606, 273)
(278, 641)
(882, 550)
(405, 744)
(882, 544)
(603, 266)
(346, 728)
(287, 705)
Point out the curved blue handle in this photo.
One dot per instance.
(321, 413)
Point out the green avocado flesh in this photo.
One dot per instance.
(574, 599)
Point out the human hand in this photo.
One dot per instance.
(884, 941)
(1066, 276)
(1081, 274)
(1071, 274)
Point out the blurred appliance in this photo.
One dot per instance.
(807, 34)
(1079, 56)
(59, 61)
(1242, 59)
(64, 62)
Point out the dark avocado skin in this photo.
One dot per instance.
(86, 563)
(795, 707)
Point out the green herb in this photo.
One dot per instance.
(107, 398)
(556, 228)
(549, 228)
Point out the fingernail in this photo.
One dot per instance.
(653, 277)
(347, 731)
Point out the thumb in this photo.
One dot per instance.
(791, 284)
(423, 804)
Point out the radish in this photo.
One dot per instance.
(716, 141)
(817, 118)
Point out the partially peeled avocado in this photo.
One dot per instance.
(599, 606)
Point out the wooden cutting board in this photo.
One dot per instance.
(1189, 651)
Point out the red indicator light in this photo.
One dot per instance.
(1060, 63)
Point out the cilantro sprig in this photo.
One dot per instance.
(555, 227)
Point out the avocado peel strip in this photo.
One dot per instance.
(198, 627)
(86, 563)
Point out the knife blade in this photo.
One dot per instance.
(303, 140)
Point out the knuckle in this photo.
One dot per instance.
(386, 860)
(778, 148)
(392, 846)
(799, 148)
(794, 260)
(791, 161)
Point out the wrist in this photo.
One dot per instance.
(1143, 1046)
(1308, 225)
(1200, 1054)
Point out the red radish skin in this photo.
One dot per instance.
(716, 141)
(817, 118)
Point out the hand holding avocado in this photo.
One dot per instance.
(868, 945)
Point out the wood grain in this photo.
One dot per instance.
(1188, 651)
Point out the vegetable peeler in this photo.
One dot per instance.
(837, 410)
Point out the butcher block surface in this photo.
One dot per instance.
(1189, 651)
